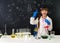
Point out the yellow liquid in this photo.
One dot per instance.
(13, 36)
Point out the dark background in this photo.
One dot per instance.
(16, 14)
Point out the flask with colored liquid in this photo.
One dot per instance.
(13, 35)
(0, 34)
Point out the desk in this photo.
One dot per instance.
(31, 40)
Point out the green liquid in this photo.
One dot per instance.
(0, 36)
(44, 37)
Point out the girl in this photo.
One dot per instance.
(43, 21)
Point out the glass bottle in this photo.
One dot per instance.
(13, 35)
(0, 34)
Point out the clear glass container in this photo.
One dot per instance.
(52, 34)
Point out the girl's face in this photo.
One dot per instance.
(44, 12)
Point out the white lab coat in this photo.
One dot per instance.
(41, 30)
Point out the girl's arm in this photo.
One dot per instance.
(33, 21)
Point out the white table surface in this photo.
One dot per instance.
(30, 40)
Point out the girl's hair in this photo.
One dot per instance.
(39, 13)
